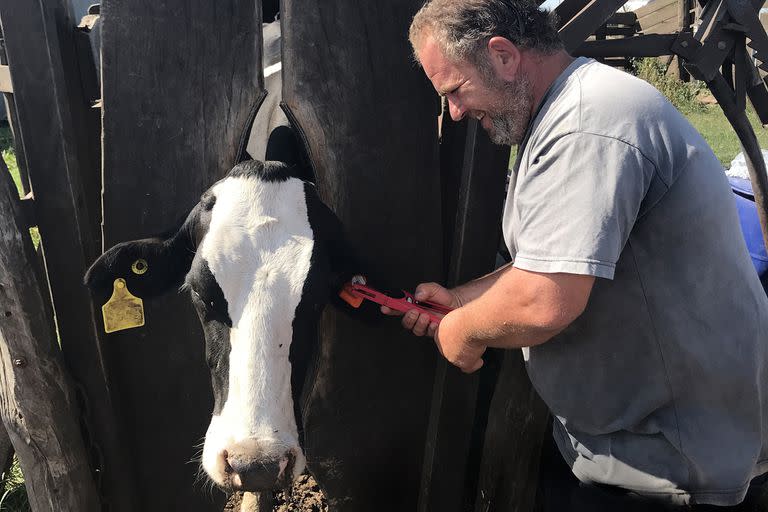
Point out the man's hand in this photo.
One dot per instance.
(419, 323)
(452, 342)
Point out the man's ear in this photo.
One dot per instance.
(150, 267)
(505, 57)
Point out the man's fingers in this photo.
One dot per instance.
(409, 319)
(432, 329)
(436, 293)
(421, 325)
(390, 311)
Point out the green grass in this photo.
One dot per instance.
(14, 493)
(717, 131)
(9, 156)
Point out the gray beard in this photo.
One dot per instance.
(511, 114)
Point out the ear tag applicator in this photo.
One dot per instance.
(123, 310)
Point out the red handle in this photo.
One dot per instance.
(436, 312)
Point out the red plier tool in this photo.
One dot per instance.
(355, 291)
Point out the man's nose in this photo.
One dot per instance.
(456, 111)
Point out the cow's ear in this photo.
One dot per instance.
(150, 267)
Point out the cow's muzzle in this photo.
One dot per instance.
(249, 467)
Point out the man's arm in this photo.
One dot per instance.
(506, 309)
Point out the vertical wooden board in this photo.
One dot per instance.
(448, 480)
(180, 79)
(38, 405)
(52, 132)
(517, 425)
(369, 117)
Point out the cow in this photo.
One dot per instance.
(260, 255)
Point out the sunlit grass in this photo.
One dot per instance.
(14, 493)
(9, 156)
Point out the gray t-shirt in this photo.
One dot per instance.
(661, 385)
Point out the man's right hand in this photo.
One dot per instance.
(419, 323)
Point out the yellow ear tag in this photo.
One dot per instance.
(122, 310)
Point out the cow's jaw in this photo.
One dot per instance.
(258, 247)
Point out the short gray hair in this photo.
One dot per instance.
(462, 28)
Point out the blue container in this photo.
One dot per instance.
(750, 226)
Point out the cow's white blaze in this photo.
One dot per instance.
(258, 247)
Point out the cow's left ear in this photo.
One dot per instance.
(150, 267)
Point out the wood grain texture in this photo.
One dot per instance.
(517, 425)
(180, 79)
(37, 402)
(51, 129)
(369, 117)
(478, 170)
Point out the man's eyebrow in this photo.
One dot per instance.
(449, 90)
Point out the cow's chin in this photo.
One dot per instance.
(251, 463)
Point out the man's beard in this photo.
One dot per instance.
(511, 113)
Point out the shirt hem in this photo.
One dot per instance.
(552, 266)
(718, 497)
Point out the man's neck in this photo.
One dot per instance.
(544, 70)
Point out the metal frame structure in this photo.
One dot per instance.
(717, 53)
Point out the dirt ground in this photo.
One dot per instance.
(304, 496)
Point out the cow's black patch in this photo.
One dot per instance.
(168, 258)
(268, 171)
(212, 309)
(329, 265)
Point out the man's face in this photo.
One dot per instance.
(502, 107)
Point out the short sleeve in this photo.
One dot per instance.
(576, 204)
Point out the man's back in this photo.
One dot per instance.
(658, 385)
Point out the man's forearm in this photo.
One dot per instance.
(515, 308)
(471, 290)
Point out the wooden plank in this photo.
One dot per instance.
(586, 22)
(653, 7)
(180, 80)
(619, 31)
(480, 198)
(369, 119)
(622, 18)
(5, 79)
(517, 426)
(38, 405)
(665, 27)
(652, 21)
(568, 9)
(50, 130)
(653, 45)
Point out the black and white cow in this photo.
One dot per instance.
(260, 255)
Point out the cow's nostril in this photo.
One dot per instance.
(260, 474)
(227, 467)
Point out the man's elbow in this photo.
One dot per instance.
(556, 317)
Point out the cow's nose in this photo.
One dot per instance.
(250, 469)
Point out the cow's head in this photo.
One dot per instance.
(258, 257)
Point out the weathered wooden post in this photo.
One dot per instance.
(51, 131)
(474, 171)
(369, 117)
(180, 80)
(37, 401)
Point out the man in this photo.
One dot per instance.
(641, 318)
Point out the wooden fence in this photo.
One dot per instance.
(118, 144)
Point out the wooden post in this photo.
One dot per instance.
(52, 130)
(478, 168)
(37, 402)
(369, 119)
(180, 82)
(517, 426)
(683, 25)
